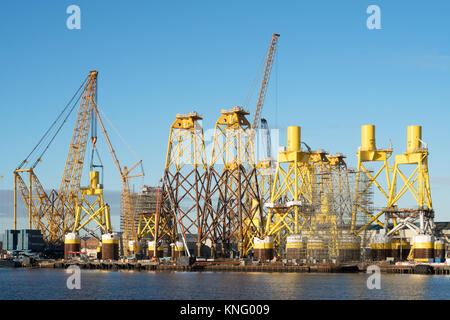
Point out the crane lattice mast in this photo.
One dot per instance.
(264, 83)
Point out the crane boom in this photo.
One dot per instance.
(264, 82)
(55, 213)
(70, 183)
(128, 214)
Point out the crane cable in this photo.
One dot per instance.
(276, 89)
(123, 140)
(50, 128)
(255, 80)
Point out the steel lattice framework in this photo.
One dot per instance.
(184, 181)
(233, 208)
(290, 196)
(54, 214)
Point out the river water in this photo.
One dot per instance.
(52, 284)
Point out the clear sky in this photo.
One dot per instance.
(159, 58)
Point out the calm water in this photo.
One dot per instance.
(51, 284)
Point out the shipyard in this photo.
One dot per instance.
(301, 210)
(225, 157)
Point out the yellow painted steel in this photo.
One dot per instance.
(265, 167)
(263, 245)
(317, 245)
(414, 137)
(184, 177)
(87, 211)
(155, 225)
(423, 245)
(293, 138)
(422, 260)
(110, 241)
(72, 241)
(316, 175)
(55, 213)
(94, 179)
(398, 244)
(376, 246)
(231, 144)
(186, 145)
(293, 182)
(294, 245)
(398, 184)
(368, 138)
(418, 182)
(368, 153)
(265, 171)
(411, 253)
(349, 245)
(233, 152)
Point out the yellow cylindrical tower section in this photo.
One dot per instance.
(368, 137)
(414, 137)
(293, 138)
(94, 179)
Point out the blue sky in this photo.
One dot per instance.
(159, 58)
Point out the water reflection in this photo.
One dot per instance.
(51, 284)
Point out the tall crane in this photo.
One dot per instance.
(70, 182)
(265, 167)
(55, 213)
(264, 84)
(127, 203)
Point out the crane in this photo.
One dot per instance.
(128, 212)
(70, 182)
(55, 213)
(265, 166)
(264, 84)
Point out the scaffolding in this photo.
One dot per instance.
(329, 237)
(143, 205)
